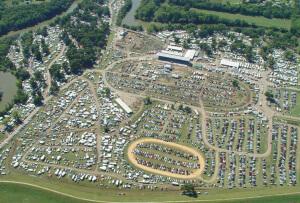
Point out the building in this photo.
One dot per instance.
(190, 54)
(174, 59)
(175, 48)
(229, 63)
(124, 106)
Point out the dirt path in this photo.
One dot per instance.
(195, 174)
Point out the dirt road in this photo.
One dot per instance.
(196, 173)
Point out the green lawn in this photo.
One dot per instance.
(90, 191)
(10, 193)
(295, 111)
(257, 20)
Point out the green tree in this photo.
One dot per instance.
(189, 190)
(235, 83)
(270, 96)
(6, 123)
(107, 92)
(54, 89)
(147, 101)
(17, 117)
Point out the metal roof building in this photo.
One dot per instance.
(175, 48)
(190, 54)
(227, 62)
(174, 59)
(124, 106)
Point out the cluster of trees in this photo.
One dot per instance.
(36, 83)
(134, 27)
(123, 11)
(21, 74)
(295, 28)
(246, 50)
(147, 9)
(5, 63)
(181, 15)
(178, 14)
(22, 16)
(268, 10)
(89, 35)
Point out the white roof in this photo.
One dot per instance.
(227, 62)
(171, 53)
(190, 54)
(123, 105)
(170, 56)
(176, 48)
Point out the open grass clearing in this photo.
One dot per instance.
(11, 192)
(257, 20)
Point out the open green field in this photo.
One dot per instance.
(28, 194)
(257, 20)
(10, 192)
(296, 109)
(68, 191)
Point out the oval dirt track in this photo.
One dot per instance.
(196, 173)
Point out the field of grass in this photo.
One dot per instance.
(92, 192)
(10, 192)
(296, 109)
(257, 20)
(28, 194)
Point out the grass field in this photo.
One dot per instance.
(85, 190)
(10, 192)
(257, 20)
(27, 194)
(296, 109)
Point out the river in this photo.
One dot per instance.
(8, 87)
(129, 18)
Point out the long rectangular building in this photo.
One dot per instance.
(174, 59)
(124, 106)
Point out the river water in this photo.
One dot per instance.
(8, 87)
(129, 18)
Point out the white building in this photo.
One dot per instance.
(229, 63)
(124, 106)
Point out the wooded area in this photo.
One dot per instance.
(21, 16)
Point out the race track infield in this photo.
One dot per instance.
(195, 174)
